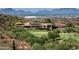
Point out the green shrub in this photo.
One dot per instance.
(69, 44)
(53, 35)
(21, 33)
(69, 29)
(70, 25)
(77, 29)
(32, 39)
(49, 46)
(37, 46)
(44, 39)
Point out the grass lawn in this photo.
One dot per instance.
(69, 35)
(40, 33)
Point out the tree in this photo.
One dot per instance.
(49, 20)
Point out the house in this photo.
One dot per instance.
(32, 25)
(38, 25)
(60, 25)
(27, 25)
(47, 26)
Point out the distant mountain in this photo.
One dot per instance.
(66, 11)
(7, 11)
(40, 11)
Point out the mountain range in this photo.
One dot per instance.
(40, 11)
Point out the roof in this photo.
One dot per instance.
(27, 24)
(59, 24)
(19, 23)
(36, 24)
(46, 24)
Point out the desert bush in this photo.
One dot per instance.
(44, 39)
(49, 46)
(53, 35)
(77, 29)
(36, 46)
(69, 44)
(32, 39)
(24, 34)
(69, 29)
(69, 25)
(21, 33)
